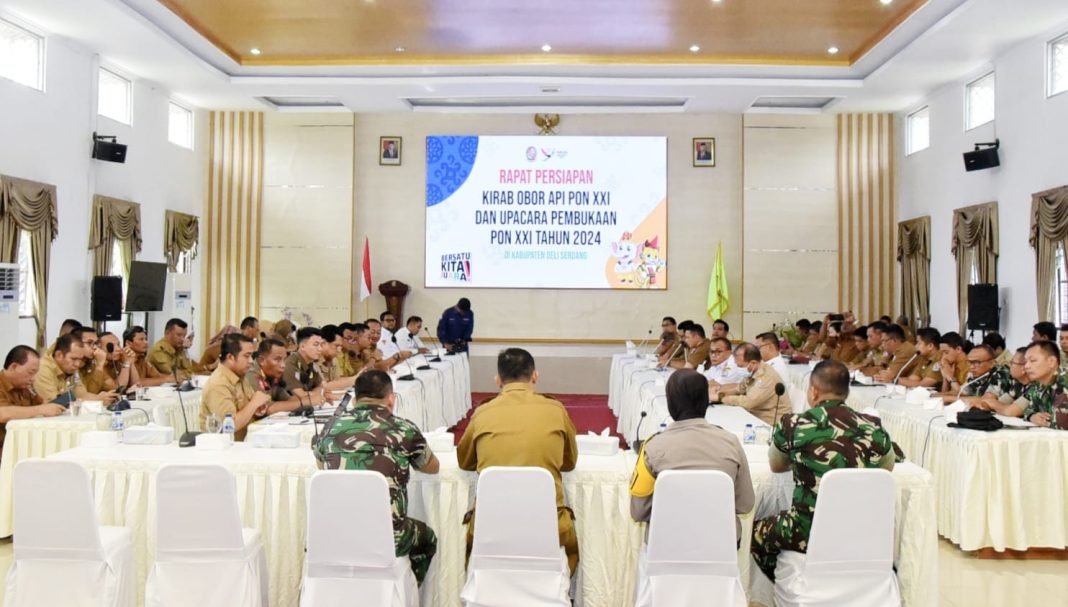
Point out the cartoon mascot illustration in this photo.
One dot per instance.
(626, 253)
(650, 264)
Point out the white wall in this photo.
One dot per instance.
(47, 136)
(1032, 129)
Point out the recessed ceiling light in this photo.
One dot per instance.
(694, 48)
(254, 51)
(886, 1)
(833, 50)
(716, 1)
(400, 49)
(545, 48)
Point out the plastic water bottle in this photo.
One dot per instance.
(749, 435)
(228, 424)
(117, 425)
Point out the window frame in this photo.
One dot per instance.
(129, 95)
(191, 128)
(968, 101)
(1060, 39)
(909, 150)
(42, 46)
(27, 290)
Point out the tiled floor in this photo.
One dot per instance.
(964, 581)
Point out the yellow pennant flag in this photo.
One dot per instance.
(718, 297)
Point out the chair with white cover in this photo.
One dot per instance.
(850, 555)
(690, 558)
(516, 558)
(203, 555)
(62, 556)
(350, 544)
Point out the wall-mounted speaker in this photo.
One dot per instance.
(106, 302)
(109, 151)
(984, 158)
(983, 312)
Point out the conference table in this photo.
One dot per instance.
(43, 436)
(1000, 490)
(272, 487)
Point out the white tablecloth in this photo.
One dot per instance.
(43, 436)
(272, 489)
(1003, 489)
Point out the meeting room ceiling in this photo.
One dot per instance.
(357, 32)
(623, 56)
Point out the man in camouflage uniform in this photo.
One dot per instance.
(828, 436)
(1004, 394)
(370, 437)
(1047, 395)
(982, 370)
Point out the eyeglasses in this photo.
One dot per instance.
(978, 362)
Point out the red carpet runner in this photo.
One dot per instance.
(589, 412)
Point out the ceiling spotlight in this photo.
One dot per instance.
(694, 48)
(254, 51)
(545, 48)
(716, 1)
(400, 49)
(833, 50)
(885, 1)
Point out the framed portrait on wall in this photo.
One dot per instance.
(704, 151)
(389, 151)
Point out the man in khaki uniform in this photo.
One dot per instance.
(954, 363)
(876, 359)
(117, 369)
(168, 355)
(302, 374)
(333, 378)
(228, 392)
(927, 373)
(904, 355)
(58, 375)
(669, 338)
(17, 398)
(691, 443)
(522, 428)
(136, 339)
(697, 347)
(757, 392)
(853, 347)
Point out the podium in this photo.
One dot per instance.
(395, 292)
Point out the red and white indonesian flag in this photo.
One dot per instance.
(365, 271)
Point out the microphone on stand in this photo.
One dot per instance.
(189, 438)
(968, 383)
(637, 444)
(426, 366)
(437, 351)
(780, 389)
(411, 372)
(906, 366)
(672, 355)
(638, 350)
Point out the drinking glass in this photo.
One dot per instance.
(212, 424)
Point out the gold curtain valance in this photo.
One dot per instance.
(181, 233)
(31, 205)
(115, 217)
(974, 225)
(1049, 215)
(914, 238)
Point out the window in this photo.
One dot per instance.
(21, 54)
(117, 267)
(979, 102)
(27, 289)
(1058, 66)
(114, 97)
(180, 131)
(185, 262)
(1060, 292)
(918, 130)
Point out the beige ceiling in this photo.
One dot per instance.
(370, 32)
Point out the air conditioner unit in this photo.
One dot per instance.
(9, 307)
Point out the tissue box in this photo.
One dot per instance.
(148, 435)
(214, 442)
(441, 442)
(159, 392)
(99, 438)
(275, 437)
(895, 390)
(597, 445)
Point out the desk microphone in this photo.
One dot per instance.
(968, 383)
(437, 351)
(780, 389)
(426, 366)
(637, 444)
(189, 438)
(902, 370)
(411, 372)
(638, 350)
(672, 355)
